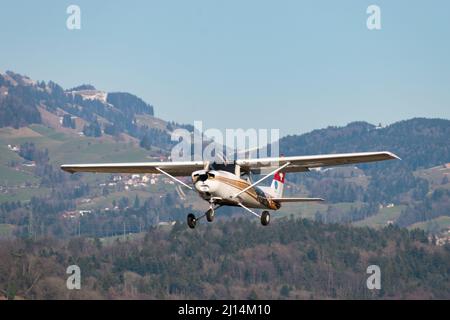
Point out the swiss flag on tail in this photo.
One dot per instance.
(279, 176)
(278, 184)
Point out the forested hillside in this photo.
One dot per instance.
(23, 100)
(239, 259)
(420, 143)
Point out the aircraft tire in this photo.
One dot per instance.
(210, 215)
(191, 221)
(265, 218)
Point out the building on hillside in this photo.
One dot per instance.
(14, 147)
(70, 215)
(166, 223)
(29, 164)
(83, 212)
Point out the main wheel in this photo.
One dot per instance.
(265, 218)
(191, 221)
(210, 215)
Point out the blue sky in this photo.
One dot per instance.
(292, 65)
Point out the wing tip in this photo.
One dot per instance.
(393, 155)
(67, 168)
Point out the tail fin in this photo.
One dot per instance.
(278, 184)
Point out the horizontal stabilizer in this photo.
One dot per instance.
(297, 199)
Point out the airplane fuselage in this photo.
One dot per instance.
(220, 187)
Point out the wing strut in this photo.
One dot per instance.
(262, 179)
(241, 205)
(173, 178)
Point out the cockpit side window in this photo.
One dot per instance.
(195, 177)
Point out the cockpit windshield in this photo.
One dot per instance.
(203, 177)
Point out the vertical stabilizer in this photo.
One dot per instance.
(278, 184)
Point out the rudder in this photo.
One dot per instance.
(278, 184)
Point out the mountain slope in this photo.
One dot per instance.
(82, 109)
(420, 142)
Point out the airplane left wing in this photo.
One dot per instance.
(304, 163)
(171, 168)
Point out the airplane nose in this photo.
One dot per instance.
(203, 186)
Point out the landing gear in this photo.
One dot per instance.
(191, 221)
(210, 215)
(265, 218)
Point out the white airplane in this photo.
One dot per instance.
(231, 184)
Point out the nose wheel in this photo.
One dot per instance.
(210, 215)
(191, 221)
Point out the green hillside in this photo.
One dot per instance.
(435, 225)
(62, 148)
(382, 218)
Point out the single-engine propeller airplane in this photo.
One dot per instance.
(230, 184)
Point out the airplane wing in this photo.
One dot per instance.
(304, 163)
(297, 199)
(172, 168)
(296, 164)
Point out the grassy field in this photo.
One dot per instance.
(106, 202)
(128, 237)
(48, 132)
(101, 202)
(381, 218)
(434, 226)
(92, 150)
(7, 155)
(12, 177)
(66, 148)
(8, 175)
(63, 148)
(23, 194)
